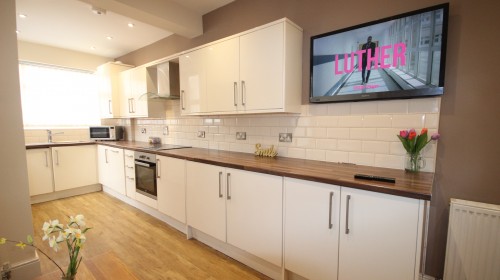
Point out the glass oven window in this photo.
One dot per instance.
(146, 179)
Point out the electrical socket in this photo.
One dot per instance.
(165, 130)
(241, 136)
(201, 134)
(143, 130)
(285, 137)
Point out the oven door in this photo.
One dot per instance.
(145, 178)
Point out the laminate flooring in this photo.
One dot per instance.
(131, 242)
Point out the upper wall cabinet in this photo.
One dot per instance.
(136, 85)
(109, 88)
(257, 71)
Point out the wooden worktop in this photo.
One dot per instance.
(413, 185)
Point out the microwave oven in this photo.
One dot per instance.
(106, 132)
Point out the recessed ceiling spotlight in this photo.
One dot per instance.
(98, 11)
(109, 37)
(23, 16)
(130, 25)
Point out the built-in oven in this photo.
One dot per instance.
(145, 174)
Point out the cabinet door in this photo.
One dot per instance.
(126, 108)
(111, 168)
(311, 228)
(222, 62)
(254, 213)
(205, 201)
(109, 88)
(171, 181)
(40, 171)
(139, 99)
(262, 67)
(193, 81)
(74, 166)
(378, 236)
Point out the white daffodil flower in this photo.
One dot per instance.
(79, 220)
(61, 237)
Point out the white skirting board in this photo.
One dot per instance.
(473, 245)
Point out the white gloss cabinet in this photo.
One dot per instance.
(380, 234)
(74, 166)
(312, 212)
(171, 187)
(40, 174)
(109, 87)
(257, 71)
(239, 207)
(111, 168)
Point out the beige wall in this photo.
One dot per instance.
(467, 156)
(56, 56)
(15, 209)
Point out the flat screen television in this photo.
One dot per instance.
(402, 56)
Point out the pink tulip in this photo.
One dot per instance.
(435, 136)
(403, 133)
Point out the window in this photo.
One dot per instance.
(58, 97)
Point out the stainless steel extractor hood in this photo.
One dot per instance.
(163, 81)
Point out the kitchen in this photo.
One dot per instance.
(466, 108)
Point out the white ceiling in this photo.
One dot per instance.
(71, 24)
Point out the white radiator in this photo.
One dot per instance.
(473, 247)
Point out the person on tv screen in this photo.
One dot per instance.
(369, 46)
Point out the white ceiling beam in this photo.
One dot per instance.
(164, 14)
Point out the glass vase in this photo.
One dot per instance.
(414, 162)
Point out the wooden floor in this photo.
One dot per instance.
(126, 243)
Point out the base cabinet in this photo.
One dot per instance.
(239, 207)
(335, 231)
(312, 212)
(40, 174)
(111, 168)
(129, 173)
(74, 166)
(171, 184)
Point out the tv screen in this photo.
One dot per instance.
(402, 56)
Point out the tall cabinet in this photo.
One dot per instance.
(258, 71)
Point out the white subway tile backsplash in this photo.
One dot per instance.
(339, 133)
(364, 108)
(362, 158)
(363, 133)
(326, 144)
(351, 121)
(339, 109)
(393, 107)
(337, 156)
(424, 105)
(316, 132)
(313, 154)
(416, 121)
(349, 145)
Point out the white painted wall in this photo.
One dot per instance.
(15, 219)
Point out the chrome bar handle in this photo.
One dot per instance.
(106, 155)
(57, 157)
(228, 195)
(220, 184)
(243, 93)
(46, 159)
(129, 105)
(347, 214)
(109, 107)
(133, 105)
(235, 92)
(182, 100)
(330, 225)
(158, 166)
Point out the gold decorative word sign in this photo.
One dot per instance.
(269, 152)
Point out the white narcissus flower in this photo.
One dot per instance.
(78, 219)
(53, 243)
(61, 237)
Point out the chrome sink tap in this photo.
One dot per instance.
(50, 133)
